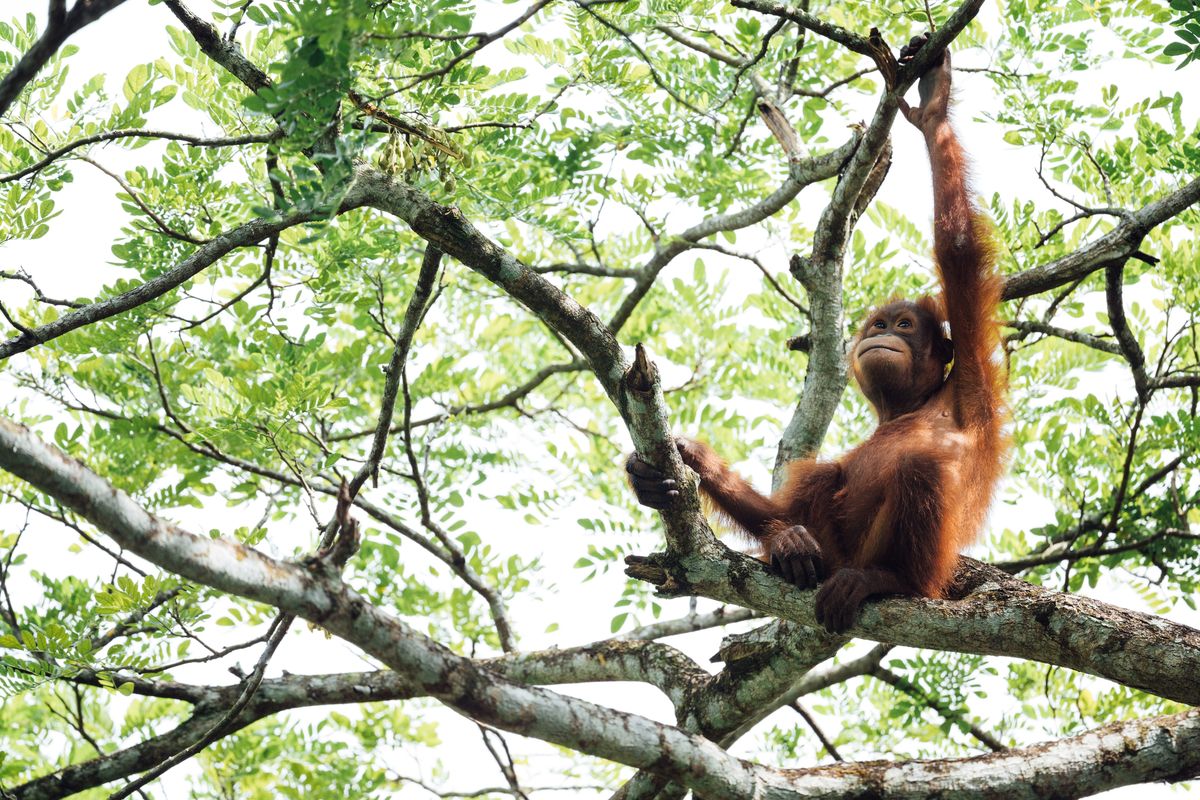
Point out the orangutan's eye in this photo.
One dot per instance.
(879, 324)
(904, 324)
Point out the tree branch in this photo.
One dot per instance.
(994, 614)
(1117, 246)
(140, 133)
(203, 256)
(61, 25)
(1163, 748)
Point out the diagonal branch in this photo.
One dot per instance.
(417, 305)
(808, 21)
(225, 52)
(1161, 748)
(140, 133)
(61, 25)
(201, 258)
(1118, 245)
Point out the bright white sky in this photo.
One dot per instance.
(73, 259)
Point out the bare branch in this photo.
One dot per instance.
(1162, 748)
(816, 729)
(60, 25)
(1117, 246)
(849, 40)
(141, 133)
(1024, 327)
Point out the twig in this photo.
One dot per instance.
(24, 277)
(816, 729)
(457, 559)
(637, 48)
(142, 133)
(249, 686)
(417, 305)
(482, 41)
(940, 706)
(505, 762)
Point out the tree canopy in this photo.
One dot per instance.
(312, 483)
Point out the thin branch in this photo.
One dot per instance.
(1117, 246)
(587, 269)
(641, 53)
(482, 41)
(458, 559)
(142, 133)
(204, 256)
(824, 93)
(505, 761)
(508, 400)
(1114, 276)
(1062, 554)
(701, 47)
(940, 706)
(221, 726)
(24, 277)
(816, 729)
(1024, 328)
(159, 222)
(689, 624)
(418, 304)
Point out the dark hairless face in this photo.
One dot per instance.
(900, 355)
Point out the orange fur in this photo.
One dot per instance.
(900, 507)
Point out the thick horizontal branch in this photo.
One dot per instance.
(1166, 748)
(995, 614)
(1117, 246)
